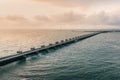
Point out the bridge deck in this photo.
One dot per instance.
(16, 57)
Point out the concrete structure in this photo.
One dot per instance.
(22, 55)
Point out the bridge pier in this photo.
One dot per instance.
(43, 49)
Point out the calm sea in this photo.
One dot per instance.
(95, 58)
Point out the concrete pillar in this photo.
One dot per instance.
(62, 41)
(32, 49)
(19, 52)
(43, 46)
(57, 42)
(50, 44)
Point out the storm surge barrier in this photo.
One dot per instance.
(23, 55)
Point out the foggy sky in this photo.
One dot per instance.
(55, 14)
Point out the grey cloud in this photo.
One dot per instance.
(70, 19)
(13, 21)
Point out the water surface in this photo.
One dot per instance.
(14, 40)
(95, 58)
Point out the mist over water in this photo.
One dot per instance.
(95, 58)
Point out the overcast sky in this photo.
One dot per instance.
(56, 14)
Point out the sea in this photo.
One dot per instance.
(95, 58)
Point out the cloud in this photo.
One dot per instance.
(70, 19)
(42, 19)
(83, 5)
(13, 21)
(77, 2)
(66, 3)
(62, 2)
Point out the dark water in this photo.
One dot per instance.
(96, 58)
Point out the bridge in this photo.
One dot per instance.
(23, 55)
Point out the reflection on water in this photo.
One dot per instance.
(13, 40)
(96, 58)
